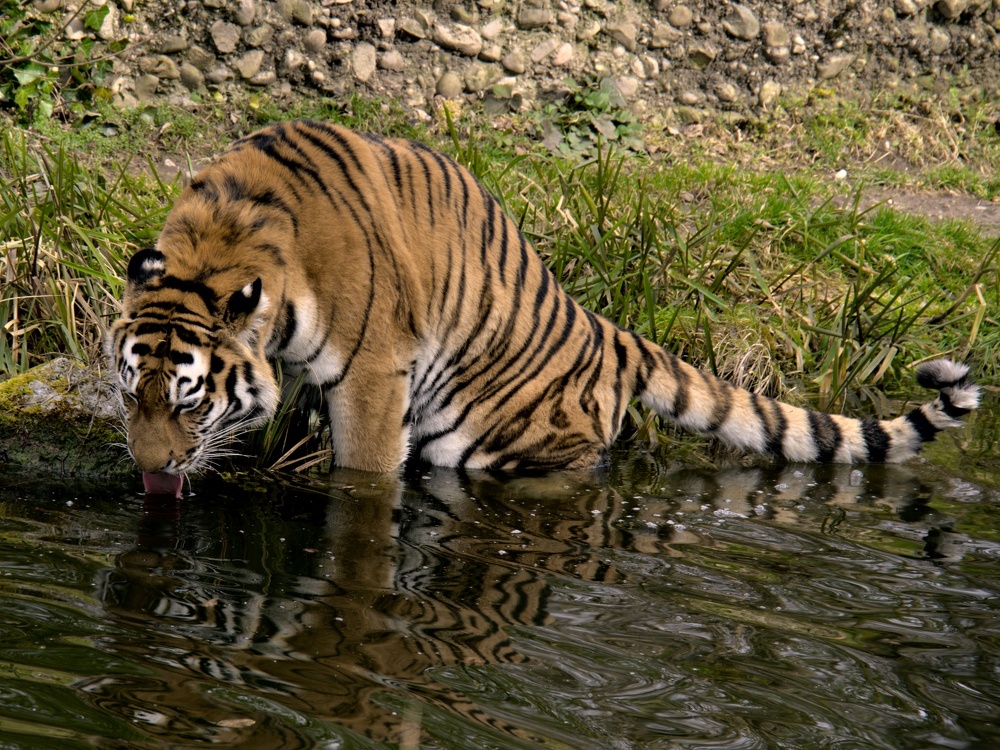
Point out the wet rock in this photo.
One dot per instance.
(741, 23)
(834, 65)
(364, 61)
(457, 38)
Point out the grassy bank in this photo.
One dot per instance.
(734, 247)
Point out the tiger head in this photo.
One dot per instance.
(189, 360)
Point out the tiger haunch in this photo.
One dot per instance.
(389, 275)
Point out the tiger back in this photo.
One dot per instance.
(390, 276)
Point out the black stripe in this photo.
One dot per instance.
(922, 425)
(876, 440)
(826, 435)
(950, 409)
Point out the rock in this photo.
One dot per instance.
(298, 11)
(315, 41)
(628, 86)
(624, 33)
(218, 74)
(266, 78)
(768, 95)
(663, 36)
(478, 78)
(392, 60)
(564, 55)
(727, 92)
(293, 61)
(259, 35)
(689, 98)
(457, 38)
(777, 55)
(939, 40)
(951, 9)
(534, 18)
(544, 49)
(145, 87)
(200, 58)
(249, 64)
(741, 23)
(834, 65)
(491, 53)
(775, 35)
(109, 25)
(191, 77)
(680, 17)
(491, 30)
(906, 7)
(364, 61)
(225, 35)
(516, 62)
(702, 53)
(589, 31)
(413, 28)
(449, 86)
(172, 43)
(164, 67)
(387, 27)
(246, 12)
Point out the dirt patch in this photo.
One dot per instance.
(938, 206)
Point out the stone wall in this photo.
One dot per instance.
(668, 56)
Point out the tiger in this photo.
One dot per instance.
(386, 275)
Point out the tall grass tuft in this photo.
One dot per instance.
(65, 234)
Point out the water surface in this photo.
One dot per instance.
(656, 606)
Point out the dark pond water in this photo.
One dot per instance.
(656, 607)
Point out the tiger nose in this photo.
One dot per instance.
(151, 454)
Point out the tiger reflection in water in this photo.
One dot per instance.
(382, 583)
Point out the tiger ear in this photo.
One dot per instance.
(146, 265)
(243, 302)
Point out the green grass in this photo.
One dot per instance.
(774, 277)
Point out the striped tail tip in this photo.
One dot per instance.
(957, 396)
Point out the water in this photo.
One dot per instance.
(657, 607)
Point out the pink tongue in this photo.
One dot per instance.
(162, 483)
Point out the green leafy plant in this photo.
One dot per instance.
(44, 73)
(593, 112)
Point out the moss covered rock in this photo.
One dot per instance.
(61, 417)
